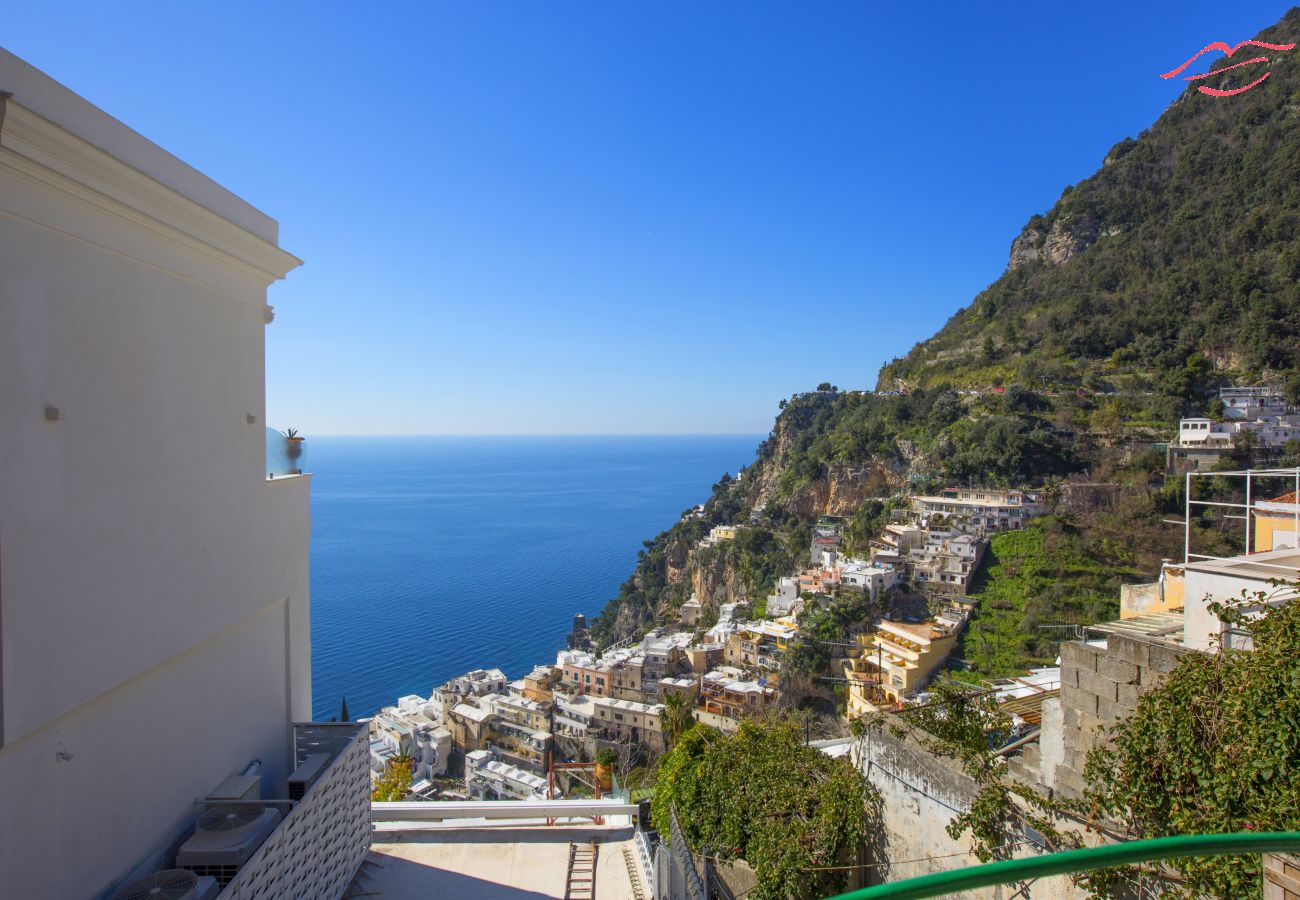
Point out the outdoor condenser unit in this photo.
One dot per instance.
(306, 774)
(225, 837)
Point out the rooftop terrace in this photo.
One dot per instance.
(491, 863)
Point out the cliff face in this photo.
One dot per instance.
(837, 491)
(1065, 239)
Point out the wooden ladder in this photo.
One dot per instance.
(580, 884)
(633, 873)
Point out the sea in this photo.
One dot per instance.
(431, 556)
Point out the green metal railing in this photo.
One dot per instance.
(1125, 854)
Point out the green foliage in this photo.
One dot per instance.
(824, 622)
(1216, 748)
(679, 716)
(395, 783)
(763, 796)
(606, 756)
(1049, 573)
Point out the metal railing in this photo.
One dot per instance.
(645, 858)
(439, 810)
(1088, 859)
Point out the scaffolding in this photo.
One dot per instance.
(1244, 511)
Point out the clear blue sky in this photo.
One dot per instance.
(608, 218)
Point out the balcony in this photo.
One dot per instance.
(284, 456)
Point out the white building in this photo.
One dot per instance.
(980, 509)
(1251, 403)
(487, 778)
(478, 683)
(153, 581)
(1272, 432)
(786, 601)
(872, 578)
(413, 728)
(1245, 580)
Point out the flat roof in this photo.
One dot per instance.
(49, 99)
(1283, 563)
(490, 863)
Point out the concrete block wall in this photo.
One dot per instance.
(1100, 684)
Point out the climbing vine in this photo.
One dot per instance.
(1216, 748)
(792, 812)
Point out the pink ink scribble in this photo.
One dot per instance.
(1220, 45)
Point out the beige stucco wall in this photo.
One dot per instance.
(154, 618)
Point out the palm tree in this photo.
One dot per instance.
(679, 716)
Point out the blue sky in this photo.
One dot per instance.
(618, 218)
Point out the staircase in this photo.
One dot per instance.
(580, 883)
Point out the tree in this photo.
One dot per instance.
(395, 783)
(1216, 748)
(792, 812)
(679, 716)
(343, 712)
(989, 351)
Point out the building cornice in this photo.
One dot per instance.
(45, 154)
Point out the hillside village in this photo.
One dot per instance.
(484, 736)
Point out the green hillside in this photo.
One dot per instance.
(1172, 267)
(1169, 272)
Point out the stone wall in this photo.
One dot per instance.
(1100, 684)
(921, 795)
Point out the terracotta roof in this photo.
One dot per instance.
(1285, 498)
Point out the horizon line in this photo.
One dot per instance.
(539, 434)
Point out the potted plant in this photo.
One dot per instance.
(293, 447)
(606, 757)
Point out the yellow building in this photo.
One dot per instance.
(894, 663)
(1162, 595)
(1275, 524)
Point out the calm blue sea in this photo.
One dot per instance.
(433, 556)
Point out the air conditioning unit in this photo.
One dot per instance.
(225, 837)
(306, 774)
(170, 884)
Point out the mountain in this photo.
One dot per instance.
(1174, 264)
(1171, 271)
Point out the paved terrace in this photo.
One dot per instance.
(505, 862)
